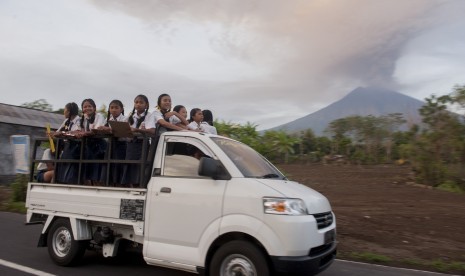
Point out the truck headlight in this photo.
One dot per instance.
(284, 206)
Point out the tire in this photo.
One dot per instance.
(239, 258)
(62, 247)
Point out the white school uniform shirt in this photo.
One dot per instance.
(75, 124)
(152, 120)
(175, 120)
(203, 127)
(195, 126)
(98, 121)
(137, 117)
(46, 156)
(209, 129)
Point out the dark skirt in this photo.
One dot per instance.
(118, 152)
(95, 149)
(131, 172)
(40, 176)
(68, 172)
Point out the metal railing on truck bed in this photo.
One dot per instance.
(145, 162)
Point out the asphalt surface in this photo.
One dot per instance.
(19, 255)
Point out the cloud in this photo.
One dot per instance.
(319, 50)
(75, 72)
(266, 62)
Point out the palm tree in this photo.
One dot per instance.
(284, 143)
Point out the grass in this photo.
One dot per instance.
(370, 257)
(6, 201)
(431, 265)
(450, 186)
(447, 266)
(16, 207)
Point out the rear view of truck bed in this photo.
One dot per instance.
(88, 201)
(121, 206)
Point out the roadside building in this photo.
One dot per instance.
(16, 120)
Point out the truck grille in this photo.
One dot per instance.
(324, 220)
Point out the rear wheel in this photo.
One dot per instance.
(239, 258)
(62, 247)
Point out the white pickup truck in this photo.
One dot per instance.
(231, 212)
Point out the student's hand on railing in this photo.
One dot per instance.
(101, 131)
(77, 134)
(58, 134)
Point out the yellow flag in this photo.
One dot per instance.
(52, 144)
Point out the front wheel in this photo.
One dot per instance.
(239, 258)
(62, 247)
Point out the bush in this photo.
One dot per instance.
(19, 187)
(450, 186)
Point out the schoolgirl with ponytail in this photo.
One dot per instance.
(68, 172)
(159, 119)
(95, 148)
(72, 120)
(90, 119)
(137, 120)
(119, 145)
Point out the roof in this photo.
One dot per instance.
(17, 115)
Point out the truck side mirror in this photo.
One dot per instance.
(213, 168)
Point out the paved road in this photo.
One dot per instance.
(19, 255)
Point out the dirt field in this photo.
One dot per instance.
(383, 217)
(380, 211)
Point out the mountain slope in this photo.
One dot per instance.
(363, 102)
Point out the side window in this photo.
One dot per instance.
(182, 160)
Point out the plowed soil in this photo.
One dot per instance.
(380, 210)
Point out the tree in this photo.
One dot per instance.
(390, 124)
(441, 143)
(247, 133)
(103, 110)
(281, 143)
(40, 104)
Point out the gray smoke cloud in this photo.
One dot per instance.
(273, 61)
(319, 50)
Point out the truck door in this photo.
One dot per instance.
(182, 207)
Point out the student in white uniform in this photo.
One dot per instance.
(175, 120)
(197, 123)
(158, 123)
(118, 150)
(90, 119)
(71, 148)
(137, 120)
(208, 118)
(45, 170)
(95, 148)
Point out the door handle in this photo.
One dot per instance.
(165, 190)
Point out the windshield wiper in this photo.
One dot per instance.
(270, 175)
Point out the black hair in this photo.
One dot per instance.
(92, 118)
(178, 108)
(193, 111)
(131, 119)
(117, 102)
(159, 103)
(207, 116)
(73, 109)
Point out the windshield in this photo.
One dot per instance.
(247, 160)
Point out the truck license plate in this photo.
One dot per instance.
(330, 236)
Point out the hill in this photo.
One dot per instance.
(361, 101)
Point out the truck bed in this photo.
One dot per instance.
(91, 202)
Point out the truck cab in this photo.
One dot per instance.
(209, 205)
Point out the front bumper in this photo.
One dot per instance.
(318, 260)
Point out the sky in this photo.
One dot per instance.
(266, 62)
